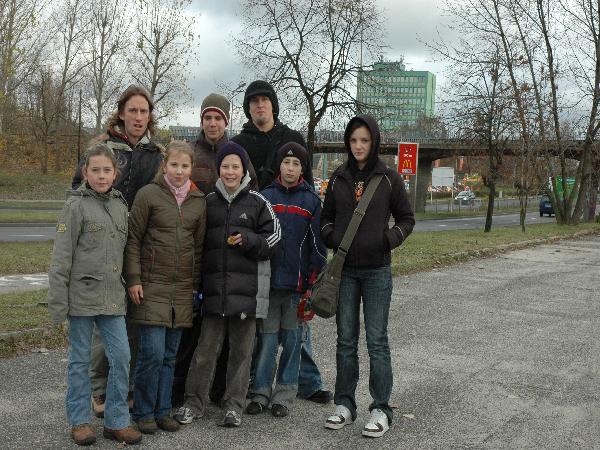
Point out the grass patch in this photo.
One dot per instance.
(428, 250)
(32, 204)
(17, 216)
(33, 185)
(25, 257)
(21, 311)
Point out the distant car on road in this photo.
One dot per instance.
(465, 198)
(546, 206)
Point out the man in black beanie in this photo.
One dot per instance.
(264, 134)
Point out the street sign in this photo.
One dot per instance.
(407, 158)
(442, 176)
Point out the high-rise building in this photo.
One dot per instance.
(396, 97)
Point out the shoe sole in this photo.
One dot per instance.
(112, 437)
(337, 426)
(373, 433)
(184, 421)
(84, 442)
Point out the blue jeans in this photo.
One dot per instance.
(309, 378)
(79, 390)
(280, 326)
(374, 286)
(154, 371)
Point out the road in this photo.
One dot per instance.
(30, 233)
(497, 353)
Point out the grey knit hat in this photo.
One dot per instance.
(261, 87)
(215, 103)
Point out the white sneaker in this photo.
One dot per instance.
(377, 424)
(340, 418)
(184, 415)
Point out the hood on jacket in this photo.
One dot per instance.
(371, 124)
(220, 187)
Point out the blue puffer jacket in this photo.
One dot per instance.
(301, 253)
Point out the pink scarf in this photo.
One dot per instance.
(181, 192)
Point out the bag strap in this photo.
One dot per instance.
(357, 216)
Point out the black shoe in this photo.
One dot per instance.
(321, 396)
(254, 408)
(279, 410)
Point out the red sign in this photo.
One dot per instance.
(407, 158)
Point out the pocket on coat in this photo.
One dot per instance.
(87, 288)
(94, 231)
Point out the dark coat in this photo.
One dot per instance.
(262, 149)
(301, 254)
(164, 253)
(231, 274)
(205, 172)
(374, 240)
(138, 164)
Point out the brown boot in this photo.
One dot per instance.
(128, 435)
(98, 405)
(83, 434)
(167, 423)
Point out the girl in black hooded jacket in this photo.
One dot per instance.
(367, 274)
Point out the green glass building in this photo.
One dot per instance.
(396, 97)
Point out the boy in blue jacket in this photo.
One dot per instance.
(298, 259)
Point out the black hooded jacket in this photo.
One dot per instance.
(374, 240)
(262, 149)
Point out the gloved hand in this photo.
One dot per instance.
(305, 313)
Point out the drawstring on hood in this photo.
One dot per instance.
(371, 124)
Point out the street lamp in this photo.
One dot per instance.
(235, 92)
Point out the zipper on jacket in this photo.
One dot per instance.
(223, 269)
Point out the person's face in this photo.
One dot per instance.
(213, 126)
(100, 173)
(291, 169)
(261, 110)
(360, 145)
(135, 116)
(231, 172)
(178, 168)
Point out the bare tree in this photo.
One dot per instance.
(164, 46)
(20, 47)
(106, 38)
(311, 50)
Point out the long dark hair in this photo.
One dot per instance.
(114, 120)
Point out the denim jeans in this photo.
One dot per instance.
(374, 286)
(154, 371)
(309, 377)
(114, 336)
(279, 326)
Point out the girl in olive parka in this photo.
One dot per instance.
(162, 270)
(86, 288)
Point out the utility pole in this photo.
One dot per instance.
(79, 131)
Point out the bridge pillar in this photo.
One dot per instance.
(423, 182)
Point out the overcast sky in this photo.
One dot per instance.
(407, 22)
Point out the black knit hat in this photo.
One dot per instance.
(260, 87)
(231, 148)
(293, 149)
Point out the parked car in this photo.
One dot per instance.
(465, 198)
(546, 206)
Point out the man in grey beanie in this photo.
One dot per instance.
(264, 134)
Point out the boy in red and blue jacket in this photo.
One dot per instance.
(298, 260)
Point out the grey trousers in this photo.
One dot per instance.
(202, 368)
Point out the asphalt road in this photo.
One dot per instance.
(498, 353)
(31, 233)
